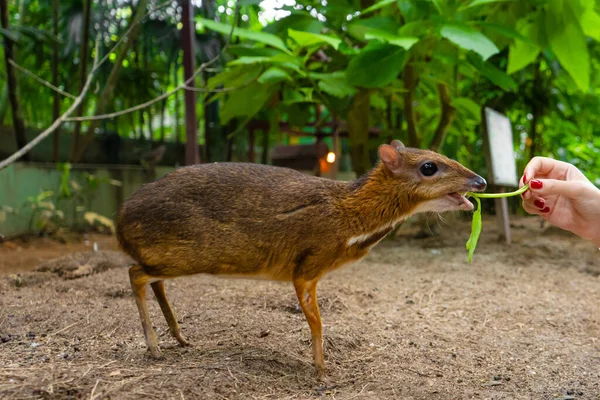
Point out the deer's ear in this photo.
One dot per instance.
(390, 157)
(398, 145)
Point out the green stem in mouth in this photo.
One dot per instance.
(477, 224)
(498, 195)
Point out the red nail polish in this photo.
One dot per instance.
(539, 203)
(535, 184)
(524, 178)
(545, 210)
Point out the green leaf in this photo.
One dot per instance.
(377, 6)
(293, 96)
(476, 3)
(245, 102)
(467, 106)
(405, 42)
(476, 226)
(521, 53)
(470, 39)
(590, 23)
(234, 77)
(505, 31)
(360, 27)
(306, 39)
(248, 2)
(568, 43)
(261, 37)
(334, 84)
(274, 75)
(377, 65)
(282, 60)
(244, 50)
(495, 75)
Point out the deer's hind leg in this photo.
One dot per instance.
(139, 282)
(161, 296)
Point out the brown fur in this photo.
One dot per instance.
(274, 223)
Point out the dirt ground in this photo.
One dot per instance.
(413, 320)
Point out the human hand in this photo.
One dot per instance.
(562, 195)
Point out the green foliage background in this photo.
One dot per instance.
(379, 64)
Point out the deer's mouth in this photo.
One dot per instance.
(461, 201)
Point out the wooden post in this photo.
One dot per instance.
(497, 136)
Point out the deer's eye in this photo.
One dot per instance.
(428, 169)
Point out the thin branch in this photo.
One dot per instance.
(60, 120)
(40, 80)
(184, 86)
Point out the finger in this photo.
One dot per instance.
(531, 209)
(543, 166)
(537, 202)
(550, 187)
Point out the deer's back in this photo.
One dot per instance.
(227, 216)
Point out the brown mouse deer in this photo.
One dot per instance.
(275, 223)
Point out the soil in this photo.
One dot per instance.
(412, 320)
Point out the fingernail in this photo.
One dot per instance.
(539, 203)
(535, 184)
(524, 178)
(545, 210)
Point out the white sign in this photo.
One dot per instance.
(501, 149)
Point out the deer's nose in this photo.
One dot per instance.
(478, 183)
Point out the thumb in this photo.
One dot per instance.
(546, 187)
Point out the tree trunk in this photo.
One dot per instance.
(358, 132)
(410, 84)
(3, 102)
(163, 106)
(177, 113)
(56, 100)
(18, 124)
(83, 64)
(106, 94)
(192, 155)
(446, 118)
(251, 154)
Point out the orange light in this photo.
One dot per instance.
(331, 157)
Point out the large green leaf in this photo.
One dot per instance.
(521, 53)
(470, 39)
(468, 107)
(476, 3)
(274, 75)
(244, 50)
(282, 60)
(306, 39)
(359, 28)
(590, 23)
(334, 84)
(377, 6)
(376, 65)
(495, 75)
(261, 37)
(406, 42)
(568, 43)
(245, 102)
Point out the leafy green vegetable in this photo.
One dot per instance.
(477, 224)
(475, 230)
